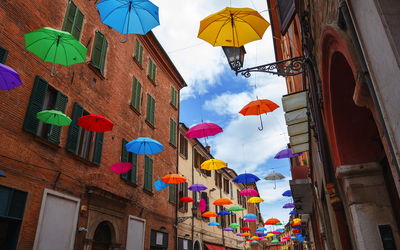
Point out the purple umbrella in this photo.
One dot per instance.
(9, 78)
(288, 205)
(228, 229)
(239, 234)
(197, 187)
(259, 232)
(286, 153)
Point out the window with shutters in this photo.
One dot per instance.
(172, 192)
(174, 97)
(197, 198)
(286, 12)
(387, 237)
(136, 94)
(206, 199)
(151, 105)
(232, 195)
(182, 192)
(3, 55)
(130, 157)
(148, 173)
(86, 144)
(226, 185)
(172, 131)
(138, 52)
(152, 71)
(44, 97)
(99, 51)
(183, 146)
(73, 21)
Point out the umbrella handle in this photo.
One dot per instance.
(262, 127)
(52, 69)
(126, 39)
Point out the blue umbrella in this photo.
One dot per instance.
(254, 241)
(250, 216)
(261, 229)
(197, 187)
(213, 224)
(293, 212)
(246, 178)
(129, 16)
(293, 237)
(287, 193)
(280, 230)
(144, 145)
(301, 238)
(223, 212)
(159, 185)
(297, 226)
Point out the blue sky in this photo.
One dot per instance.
(215, 94)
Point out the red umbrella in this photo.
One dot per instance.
(246, 229)
(186, 199)
(121, 168)
(203, 130)
(96, 123)
(296, 231)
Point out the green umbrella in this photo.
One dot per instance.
(277, 224)
(234, 225)
(55, 46)
(54, 117)
(235, 208)
(275, 241)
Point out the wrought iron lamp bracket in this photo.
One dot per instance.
(182, 219)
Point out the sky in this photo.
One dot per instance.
(215, 94)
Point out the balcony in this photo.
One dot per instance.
(299, 172)
(301, 189)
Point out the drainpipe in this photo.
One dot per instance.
(193, 162)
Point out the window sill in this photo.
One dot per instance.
(183, 156)
(172, 145)
(182, 210)
(150, 125)
(47, 142)
(135, 110)
(151, 80)
(171, 202)
(129, 183)
(79, 158)
(138, 63)
(96, 70)
(148, 192)
(173, 106)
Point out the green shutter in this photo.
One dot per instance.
(172, 192)
(150, 67)
(136, 94)
(73, 21)
(152, 70)
(36, 101)
(124, 156)
(61, 105)
(172, 131)
(3, 55)
(99, 51)
(153, 108)
(98, 148)
(150, 109)
(103, 55)
(139, 52)
(77, 31)
(148, 173)
(186, 194)
(173, 96)
(134, 167)
(74, 129)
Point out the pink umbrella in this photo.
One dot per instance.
(202, 205)
(121, 168)
(283, 241)
(261, 238)
(203, 130)
(276, 232)
(250, 220)
(287, 238)
(249, 192)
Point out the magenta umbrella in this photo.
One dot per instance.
(249, 192)
(121, 168)
(276, 232)
(287, 238)
(250, 220)
(286, 153)
(205, 129)
(202, 205)
(288, 205)
(9, 78)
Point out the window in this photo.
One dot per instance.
(196, 198)
(152, 70)
(184, 244)
(3, 55)
(387, 237)
(44, 97)
(196, 160)
(206, 199)
(286, 12)
(132, 158)
(218, 218)
(73, 21)
(226, 185)
(151, 104)
(183, 146)
(232, 196)
(99, 51)
(183, 192)
(218, 179)
(203, 171)
(238, 196)
(86, 144)
(148, 173)
(136, 94)
(172, 131)
(138, 52)
(174, 96)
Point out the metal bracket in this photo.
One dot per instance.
(182, 219)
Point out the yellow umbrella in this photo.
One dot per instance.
(232, 27)
(270, 235)
(296, 220)
(213, 164)
(255, 200)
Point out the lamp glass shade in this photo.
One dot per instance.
(235, 56)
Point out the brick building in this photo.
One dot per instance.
(58, 192)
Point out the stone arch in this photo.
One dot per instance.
(114, 224)
(197, 244)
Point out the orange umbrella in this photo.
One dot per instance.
(296, 223)
(223, 201)
(245, 234)
(271, 221)
(209, 214)
(259, 107)
(173, 179)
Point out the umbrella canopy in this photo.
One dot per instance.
(274, 177)
(159, 185)
(255, 200)
(203, 130)
(234, 225)
(288, 205)
(55, 46)
(249, 192)
(144, 145)
(259, 232)
(286, 153)
(250, 216)
(262, 238)
(96, 123)
(121, 168)
(202, 205)
(223, 212)
(293, 237)
(254, 241)
(287, 193)
(245, 234)
(261, 229)
(235, 209)
(297, 227)
(250, 220)
(275, 241)
(129, 16)
(54, 117)
(228, 229)
(238, 234)
(296, 231)
(213, 224)
(293, 212)
(245, 229)
(213, 164)
(259, 107)
(232, 27)
(301, 238)
(173, 179)
(9, 78)
(276, 232)
(278, 224)
(246, 178)
(296, 224)
(186, 199)
(272, 221)
(280, 229)
(270, 235)
(197, 187)
(209, 214)
(283, 241)
(296, 220)
(222, 202)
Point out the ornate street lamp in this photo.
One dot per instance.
(235, 56)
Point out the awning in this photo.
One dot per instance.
(214, 247)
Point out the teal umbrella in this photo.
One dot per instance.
(54, 117)
(55, 46)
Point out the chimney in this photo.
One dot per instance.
(208, 148)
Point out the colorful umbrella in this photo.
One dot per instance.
(275, 241)
(296, 231)
(259, 107)
(121, 168)
(246, 178)
(271, 221)
(235, 209)
(173, 179)
(238, 234)
(186, 199)
(203, 130)
(297, 227)
(262, 238)
(301, 238)
(213, 164)
(55, 46)
(232, 27)
(245, 229)
(250, 220)
(270, 235)
(296, 220)
(245, 234)
(286, 153)
(9, 78)
(254, 241)
(202, 205)
(280, 229)
(159, 185)
(296, 224)
(261, 229)
(255, 200)
(249, 192)
(288, 205)
(293, 237)
(222, 202)
(197, 187)
(223, 212)
(283, 241)
(228, 229)
(255, 238)
(259, 232)
(250, 216)
(287, 193)
(144, 145)
(129, 16)
(234, 225)
(274, 177)
(209, 214)
(54, 117)
(278, 224)
(96, 123)
(276, 232)
(293, 212)
(213, 224)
